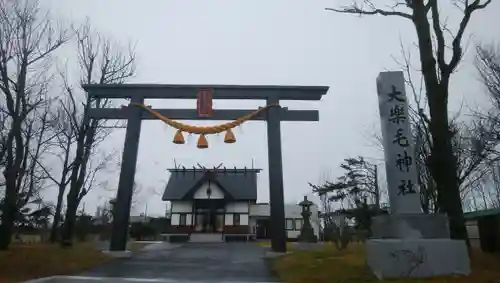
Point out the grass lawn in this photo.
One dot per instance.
(348, 266)
(267, 244)
(24, 262)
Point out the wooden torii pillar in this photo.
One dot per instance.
(137, 93)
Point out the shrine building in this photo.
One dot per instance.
(221, 205)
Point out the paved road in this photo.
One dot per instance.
(191, 262)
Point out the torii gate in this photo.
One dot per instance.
(137, 93)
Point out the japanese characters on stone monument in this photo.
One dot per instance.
(398, 147)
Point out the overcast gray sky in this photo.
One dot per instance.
(273, 42)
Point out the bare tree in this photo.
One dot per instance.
(358, 185)
(136, 194)
(327, 209)
(494, 185)
(3, 134)
(27, 41)
(62, 145)
(488, 66)
(472, 152)
(360, 181)
(100, 62)
(31, 180)
(436, 71)
(99, 164)
(137, 191)
(63, 149)
(37, 138)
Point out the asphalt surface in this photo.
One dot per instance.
(190, 262)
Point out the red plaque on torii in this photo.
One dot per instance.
(204, 103)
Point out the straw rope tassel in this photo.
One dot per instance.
(229, 137)
(202, 131)
(179, 138)
(202, 142)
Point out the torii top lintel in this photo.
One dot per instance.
(163, 91)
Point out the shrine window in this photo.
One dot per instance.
(290, 224)
(236, 219)
(298, 224)
(183, 219)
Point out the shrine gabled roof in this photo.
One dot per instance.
(239, 184)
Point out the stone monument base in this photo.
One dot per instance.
(395, 258)
(406, 225)
(307, 235)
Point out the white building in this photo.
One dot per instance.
(224, 202)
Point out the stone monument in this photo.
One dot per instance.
(306, 231)
(407, 242)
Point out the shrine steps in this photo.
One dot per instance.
(206, 238)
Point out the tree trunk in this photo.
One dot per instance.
(57, 216)
(444, 166)
(70, 219)
(443, 163)
(9, 209)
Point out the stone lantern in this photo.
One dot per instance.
(306, 231)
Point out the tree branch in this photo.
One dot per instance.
(456, 43)
(356, 9)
